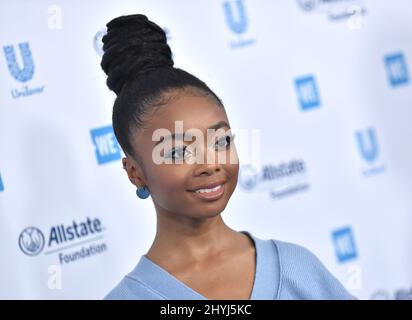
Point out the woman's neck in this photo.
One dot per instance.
(195, 240)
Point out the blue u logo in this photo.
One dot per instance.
(236, 22)
(368, 144)
(20, 74)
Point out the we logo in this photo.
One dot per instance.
(344, 243)
(106, 146)
(396, 69)
(307, 92)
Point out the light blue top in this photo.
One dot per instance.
(283, 271)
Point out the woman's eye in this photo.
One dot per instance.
(178, 153)
(224, 143)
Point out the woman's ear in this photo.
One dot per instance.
(134, 171)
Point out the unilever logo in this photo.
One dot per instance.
(31, 241)
(368, 148)
(20, 74)
(237, 21)
(23, 73)
(368, 144)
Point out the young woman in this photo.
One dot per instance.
(194, 255)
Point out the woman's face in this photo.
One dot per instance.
(173, 183)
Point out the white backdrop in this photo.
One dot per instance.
(326, 84)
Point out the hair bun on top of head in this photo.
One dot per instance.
(133, 45)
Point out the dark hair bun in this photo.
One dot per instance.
(133, 45)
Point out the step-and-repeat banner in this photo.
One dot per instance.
(324, 86)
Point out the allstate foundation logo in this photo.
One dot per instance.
(308, 5)
(21, 74)
(281, 180)
(368, 148)
(31, 241)
(248, 178)
(97, 41)
(70, 242)
(351, 11)
(237, 21)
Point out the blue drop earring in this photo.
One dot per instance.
(142, 192)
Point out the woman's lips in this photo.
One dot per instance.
(211, 195)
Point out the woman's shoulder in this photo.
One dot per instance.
(304, 276)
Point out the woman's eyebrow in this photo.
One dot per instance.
(216, 126)
(220, 124)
